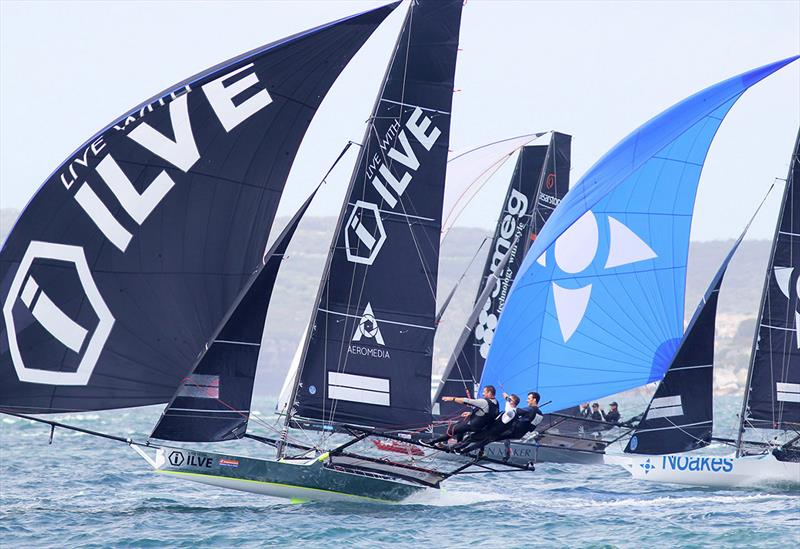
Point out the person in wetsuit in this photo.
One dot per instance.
(596, 414)
(502, 427)
(484, 410)
(613, 414)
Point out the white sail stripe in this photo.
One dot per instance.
(378, 320)
(237, 342)
(367, 383)
(663, 402)
(207, 411)
(788, 397)
(408, 216)
(336, 392)
(691, 367)
(415, 106)
(788, 387)
(668, 411)
(684, 426)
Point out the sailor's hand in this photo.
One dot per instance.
(447, 399)
(464, 414)
(505, 395)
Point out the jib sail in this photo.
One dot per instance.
(129, 256)
(213, 403)
(680, 416)
(368, 352)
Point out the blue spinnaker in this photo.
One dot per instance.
(598, 305)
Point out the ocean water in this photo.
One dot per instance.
(87, 492)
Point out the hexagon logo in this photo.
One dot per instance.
(53, 319)
(176, 458)
(364, 233)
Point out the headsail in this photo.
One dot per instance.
(369, 351)
(539, 182)
(598, 305)
(772, 395)
(680, 416)
(213, 403)
(129, 256)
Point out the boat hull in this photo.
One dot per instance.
(712, 471)
(523, 453)
(302, 480)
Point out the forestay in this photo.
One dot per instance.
(598, 305)
(368, 353)
(539, 182)
(128, 257)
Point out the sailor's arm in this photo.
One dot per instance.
(476, 402)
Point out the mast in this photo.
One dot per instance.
(767, 279)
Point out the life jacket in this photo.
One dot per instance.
(477, 422)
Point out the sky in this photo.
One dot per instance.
(595, 70)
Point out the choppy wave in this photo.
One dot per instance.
(83, 492)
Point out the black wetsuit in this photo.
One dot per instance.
(525, 421)
(612, 416)
(597, 416)
(476, 421)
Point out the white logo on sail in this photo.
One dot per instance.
(368, 327)
(53, 319)
(575, 251)
(364, 233)
(783, 276)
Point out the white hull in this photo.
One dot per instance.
(713, 471)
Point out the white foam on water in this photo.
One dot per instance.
(450, 498)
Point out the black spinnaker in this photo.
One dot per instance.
(539, 182)
(127, 259)
(368, 354)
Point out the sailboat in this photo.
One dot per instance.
(364, 366)
(539, 182)
(597, 307)
(680, 419)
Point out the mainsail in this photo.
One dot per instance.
(772, 393)
(129, 256)
(213, 403)
(597, 307)
(368, 353)
(539, 182)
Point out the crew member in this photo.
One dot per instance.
(502, 427)
(596, 414)
(484, 410)
(613, 414)
(528, 417)
(584, 410)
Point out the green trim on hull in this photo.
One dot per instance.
(292, 486)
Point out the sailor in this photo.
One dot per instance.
(584, 410)
(613, 414)
(528, 417)
(502, 427)
(484, 411)
(596, 414)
